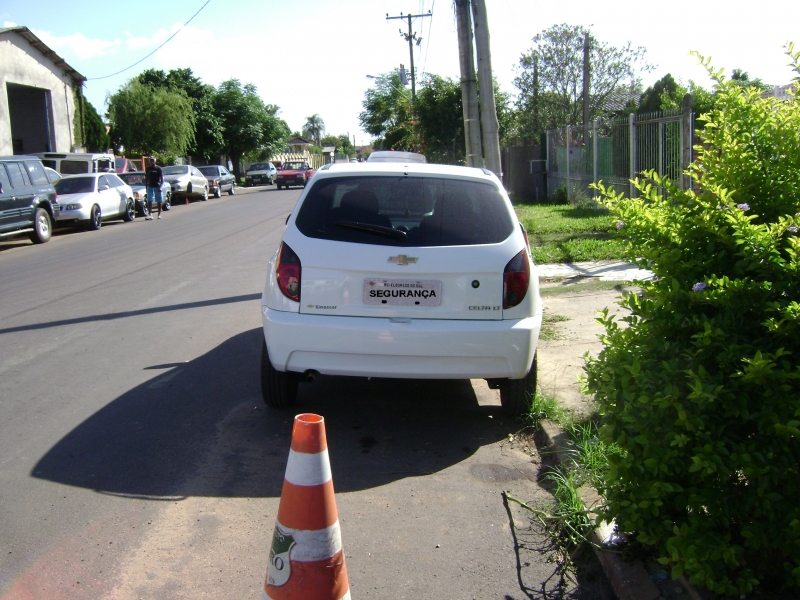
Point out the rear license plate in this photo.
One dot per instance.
(403, 292)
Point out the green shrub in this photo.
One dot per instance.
(701, 391)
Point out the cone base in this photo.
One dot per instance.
(314, 580)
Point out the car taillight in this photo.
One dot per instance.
(516, 277)
(288, 270)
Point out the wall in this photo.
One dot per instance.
(523, 173)
(21, 63)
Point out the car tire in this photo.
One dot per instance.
(204, 197)
(42, 227)
(279, 186)
(145, 212)
(516, 395)
(218, 192)
(167, 204)
(278, 388)
(130, 211)
(95, 219)
(232, 191)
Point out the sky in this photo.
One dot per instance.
(313, 57)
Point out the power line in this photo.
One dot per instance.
(154, 51)
(428, 45)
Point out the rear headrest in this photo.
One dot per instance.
(362, 201)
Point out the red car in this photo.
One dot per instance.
(294, 172)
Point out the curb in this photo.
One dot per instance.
(630, 581)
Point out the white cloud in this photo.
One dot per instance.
(135, 43)
(9, 24)
(79, 45)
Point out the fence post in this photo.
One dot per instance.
(632, 122)
(687, 131)
(568, 129)
(594, 156)
(546, 174)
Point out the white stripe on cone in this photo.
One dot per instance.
(308, 469)
(316, 544)
(264, 596)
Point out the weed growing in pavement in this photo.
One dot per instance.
(589, 453)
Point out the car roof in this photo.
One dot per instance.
(396, 155)
(410, 168)
(19, 157)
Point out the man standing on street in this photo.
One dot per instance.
(154, 178)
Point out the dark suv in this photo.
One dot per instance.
(28, 201)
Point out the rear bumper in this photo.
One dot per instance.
(416, 349)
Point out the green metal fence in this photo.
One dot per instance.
(616, 150)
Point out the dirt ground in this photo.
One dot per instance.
(561, 359)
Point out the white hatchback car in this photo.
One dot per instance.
(402, 270)
(90, 199)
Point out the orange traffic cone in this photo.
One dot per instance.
(307, 560)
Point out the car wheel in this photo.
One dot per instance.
(516, 395)
(218, 192)
(145, 211)
(278, 388)
(279, 186)
(130, 211)
(232, 191)
(42, 227)
(166, 204)
(95, 218)
(204, 197)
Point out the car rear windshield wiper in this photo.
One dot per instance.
(377, 229)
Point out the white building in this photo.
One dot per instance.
(37, 102)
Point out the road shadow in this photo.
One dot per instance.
(201, 429)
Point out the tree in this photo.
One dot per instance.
(147, 120)
(208, 129)
(248, 125)
(97, 140)
(314, 128)
(387, 114)
(550, 76)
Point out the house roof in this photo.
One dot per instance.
(329, 149)
(298, 141)
(44, 49)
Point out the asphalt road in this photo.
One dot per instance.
(137, 459)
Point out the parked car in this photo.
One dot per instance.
(402, 270)
(219, 180)
(91, 199)
(294, 172)
(52, 174)
(28, 203)
(396, 156)
(186, 181)
(74, 163)
(137, 181)
(260, 173)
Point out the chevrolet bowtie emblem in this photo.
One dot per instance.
(403, 260)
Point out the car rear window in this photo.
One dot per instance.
(132, 178)
(75, 185)
(36, 172)
(405, 211)
(179, 170)
(74, 167)
(209, 170)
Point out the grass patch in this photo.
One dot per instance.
(566, 233)
(549, 331)
(584, 286)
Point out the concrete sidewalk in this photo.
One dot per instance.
(604, 270)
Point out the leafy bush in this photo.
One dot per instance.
(701, 390)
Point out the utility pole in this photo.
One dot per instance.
(469, 86)
(489, 124)
(411, 37)
(587, 47)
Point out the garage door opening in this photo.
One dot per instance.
(31, 119)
